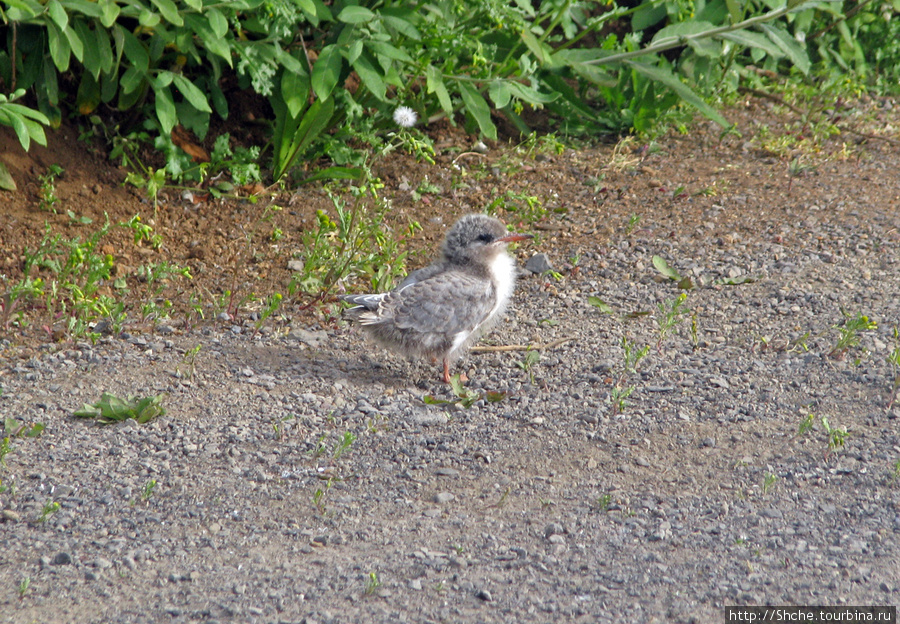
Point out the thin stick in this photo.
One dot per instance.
(533, 347)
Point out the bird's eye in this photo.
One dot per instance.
(485, 238)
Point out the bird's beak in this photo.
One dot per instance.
(514, 237)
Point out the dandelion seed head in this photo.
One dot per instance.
(405, 117)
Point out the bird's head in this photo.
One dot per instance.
(477, 237)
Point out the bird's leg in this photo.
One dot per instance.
(462, 376)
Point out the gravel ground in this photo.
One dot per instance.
(303, 478)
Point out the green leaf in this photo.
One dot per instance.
(431, 400)
(316, 119)
(169, 11)
(295, 92)
(500, 93)
(753, 40)
(541, 51)
(7, 183)
(21, 10)
(667, 78)
(75, 43)
(402, 26)
(165, 108)
(326, 71)
(58, 14)
(479, 110)
(597, 302)
(370, 77)
(647, 14)
(191, 93)
(110, 12)
(134, 50)
(434, 83)
(59, 47)
(789, 46)
(663, 267)
(217, 22)
(682, 29)
(355, 15)
(382, 48)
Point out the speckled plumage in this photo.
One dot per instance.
(441, 309)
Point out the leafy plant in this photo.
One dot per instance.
(148, 489)
(48, 188)
(343, 444)
(26, 122)
(671, 313)
(111, 409)
(893, 359)
(837, 436)
(849, 333)
(631, 359)
(50, 508)
(527, 363)
(769, 481)
(465, 397)
(684, 283)
(372, 583)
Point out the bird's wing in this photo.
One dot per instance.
(449, 303)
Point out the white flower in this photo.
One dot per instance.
(405, 117)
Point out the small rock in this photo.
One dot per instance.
(295, 265)
(554, 528)
(62, 558)
(442, 498)
(483, 594)
(10, 515)
(314, 339)
(415, 584)
(447, 472)
(539, 263)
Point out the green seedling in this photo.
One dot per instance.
(603, 502)
(142, 232)
(273, 302)
(527, 363)
(601, 305)
(684, 283)
(320, 495)
(344, 444)
(893, 359)
(695, 334)
(617, 398)
(372, 584)
(189, 360)
(16, 429)
(671, 313)
(620, 391)
(148, 489)
(48, 188)
(895, 473)
(464, 397)
(24, 586)
(50, 508)
(849, 334)
(806, 425)
(5, 448)
(111, 409)
(769, 481)
(633, 221)
(837, 436)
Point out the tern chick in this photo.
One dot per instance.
(438, 311)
